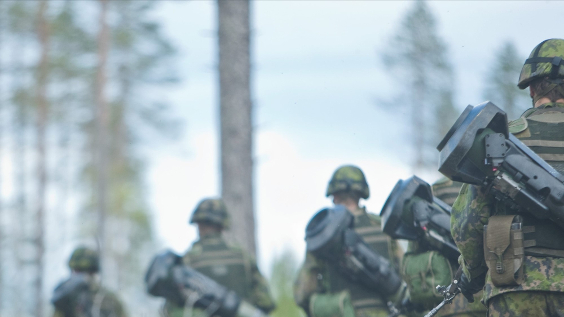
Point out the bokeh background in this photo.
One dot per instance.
(370, 83)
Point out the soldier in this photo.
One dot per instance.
(536, 285)
(319, 283)
(230, 266)
(81, 295)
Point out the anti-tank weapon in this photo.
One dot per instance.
(329, 236)
(168, 277)
(412, 213)
(479, 150)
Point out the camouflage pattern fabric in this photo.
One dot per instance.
(470, 213)
(317, 276)
(533, 70)
(104, 304)
(84, 259)
(541, 130)
(536, 304)
(348, 178)
(213, 211)
(231, 267)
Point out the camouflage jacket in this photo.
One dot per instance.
(318, 276)
(231, 267)
(474, 207)
(104, 304)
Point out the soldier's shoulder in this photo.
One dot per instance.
(195, 250)
(517, 126)
(234, 246)
(374, 218)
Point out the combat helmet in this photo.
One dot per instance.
(546, 60)
(84, 259)
(213, 211)
(348, 178)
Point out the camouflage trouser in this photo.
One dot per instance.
(522, 304)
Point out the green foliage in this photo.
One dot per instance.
(417, 60)
(284, 270)
(501, 81)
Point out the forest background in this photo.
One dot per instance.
(109, 120)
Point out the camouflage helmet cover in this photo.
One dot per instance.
(348, 178)
(84, 259)
(213, 211)
(546, 60)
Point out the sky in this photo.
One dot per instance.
(317, 79)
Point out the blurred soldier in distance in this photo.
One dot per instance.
(228, 265)
(320, 284)
(81, 294)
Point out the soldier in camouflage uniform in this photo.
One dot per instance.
(81, 295)
(321, 281)
(228, 265)
(541, 290)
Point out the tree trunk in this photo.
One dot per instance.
(236, 119)
(2, 223)
(42, 110)
(20, 211)
(102, 125)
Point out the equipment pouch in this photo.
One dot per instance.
(331, 305)
(503, 249)
(422, 273)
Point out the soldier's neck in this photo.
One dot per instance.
(545, 100)
(355, 209)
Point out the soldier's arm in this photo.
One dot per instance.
(470, 213)
(58, 313)
(260, 292)
(308, 281)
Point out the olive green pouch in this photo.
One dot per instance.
(331, 305)
(422, 272)
(503, 250)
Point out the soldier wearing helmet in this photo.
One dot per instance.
(537, 290)
(81, 295)
(320, 284)
(228, 265)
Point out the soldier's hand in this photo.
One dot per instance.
(469, 288)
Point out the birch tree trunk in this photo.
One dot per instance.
(102, 117)
(236, 120)
(2, 223)
(42, 110)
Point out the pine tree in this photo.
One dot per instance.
(501, 81)
(42, 104)
(418, 60)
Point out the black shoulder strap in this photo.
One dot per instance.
(556, 62)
